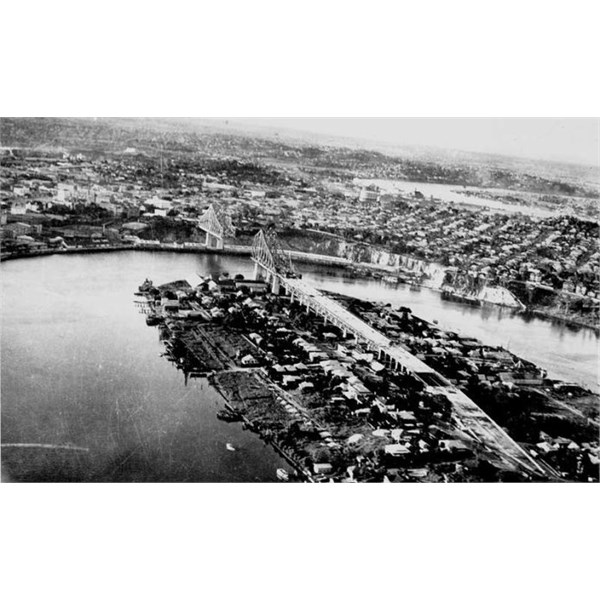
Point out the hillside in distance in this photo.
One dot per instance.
(342, 158)
(547, 169)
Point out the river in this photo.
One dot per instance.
(80, 367)
(567, 353)
(451, 193)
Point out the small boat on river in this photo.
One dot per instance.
(283, 475)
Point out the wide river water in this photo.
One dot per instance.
(81, 368)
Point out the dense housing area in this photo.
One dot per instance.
(86, 198)
(336, 412)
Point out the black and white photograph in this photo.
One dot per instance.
(252, 253)
(300, 300)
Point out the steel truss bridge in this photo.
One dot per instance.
(276, 267)
(217, 225)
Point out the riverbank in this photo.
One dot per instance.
(301, 257)
(235, 250)
(498, 297)
(367, 260)
(359, 269)
(573, 323)
(232, 391)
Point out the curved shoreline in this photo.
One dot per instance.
(301, 257)
(243, 251)
(246, 251)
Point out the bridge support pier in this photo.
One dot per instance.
(275, 285)
(213, 241)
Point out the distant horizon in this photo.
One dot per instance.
(566, 140)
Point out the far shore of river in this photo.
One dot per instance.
(300, 257)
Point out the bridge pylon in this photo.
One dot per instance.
(270, 260)
(217, 225)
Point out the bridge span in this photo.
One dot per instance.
(276, 267)
(217, 225)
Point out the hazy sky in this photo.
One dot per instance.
(574, 140)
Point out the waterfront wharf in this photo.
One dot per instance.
(301, 471)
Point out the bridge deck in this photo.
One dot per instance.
(469, 416)
(357, 326)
